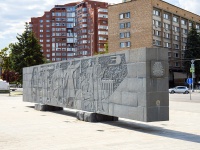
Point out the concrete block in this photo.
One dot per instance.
(130, 99)
(142, 99)
(132, 70)
(42, 107)
(154, 98)
(116, 98)
(157, 114)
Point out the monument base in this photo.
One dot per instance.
(94, 117)
(42, 107)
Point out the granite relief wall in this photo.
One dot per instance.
(131, 84)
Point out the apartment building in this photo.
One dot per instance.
(151, 23)
(72, 30)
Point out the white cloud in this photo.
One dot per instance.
(14, 14)
(191, 5)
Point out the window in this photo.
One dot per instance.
(176, 55)
(125, 44)
(124, 15)
(176, 37)
(175, 19)
(125, 25)
(41, 21)
(156, 12)
(156, 42)
(102, 16)
(176, 64)
(156, 23)
(124, 35)
(41, 30)
(176, 46)
(176, 29)
(166, 16)
(166, 44)
(166, 26)
(183, 22)
(184, 31)
(156, 33)
(166, 35)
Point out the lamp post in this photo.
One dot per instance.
(1, 60)
(192, 70)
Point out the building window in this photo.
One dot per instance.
(156, 42)
(41, 30)
(41, 21)
(124, 35)
(166, 26)
(176, 29)
(177, 64)
(156, 23)
(102, 16)
(125, 25)
(156, 33)
(124, 15)
(166, 35)
(176, 37)
(125, 44)
(175, 19)
(166, 44)
(166, 16)
(176, 46)
(156, 12)
(183, 22)
(176, 55)
(184, 31)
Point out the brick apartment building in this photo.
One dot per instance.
(151, 23)
(72, 30)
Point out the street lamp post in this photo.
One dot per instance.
(1, 60)
(192, 70)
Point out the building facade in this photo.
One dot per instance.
(72, 30)
(151, 23)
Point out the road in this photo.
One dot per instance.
(23, 128)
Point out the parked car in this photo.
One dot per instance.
(179, 89)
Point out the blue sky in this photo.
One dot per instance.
(14, 14)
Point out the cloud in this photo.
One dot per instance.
(190, 5)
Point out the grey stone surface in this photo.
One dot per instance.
(127, 84)
(94, 117)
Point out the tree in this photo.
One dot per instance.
(193, 51)
(26, 52)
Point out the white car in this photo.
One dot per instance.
(179, 89)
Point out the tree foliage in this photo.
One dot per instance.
(26, 52)
(193, 51)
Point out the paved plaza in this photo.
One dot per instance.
(24, 128)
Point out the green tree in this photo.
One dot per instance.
(193, 51)
(26, 52)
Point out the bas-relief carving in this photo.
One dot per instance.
(88, 81)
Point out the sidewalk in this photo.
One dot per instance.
(23, 128)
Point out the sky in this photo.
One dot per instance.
(14, 14)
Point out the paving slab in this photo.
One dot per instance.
(22, 127)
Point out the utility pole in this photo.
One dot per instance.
(192, 70)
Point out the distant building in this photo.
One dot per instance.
(151, 23)
(72, 30)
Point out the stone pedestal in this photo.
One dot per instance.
(94, 117)
(42, 107)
